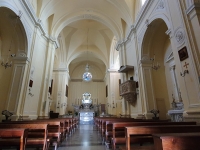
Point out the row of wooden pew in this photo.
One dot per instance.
(41, 133)
(161, 134)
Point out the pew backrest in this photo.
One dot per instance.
(149, 130)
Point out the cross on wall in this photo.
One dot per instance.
(186, 65)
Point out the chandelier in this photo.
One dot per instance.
(8, 63)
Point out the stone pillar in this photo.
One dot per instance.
(48, 69)
(60, 77)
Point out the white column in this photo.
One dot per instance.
(175, 83)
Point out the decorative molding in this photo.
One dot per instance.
(147, 23)
(112, 70)
(127, 39)
(21, 54)
(38, 22)
(145, 58)
(169, 33)
(179, 35)
(61, 70)
(170, 57)
(161, 5)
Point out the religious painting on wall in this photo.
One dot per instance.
(30, 83)
(66, 92)
(183, 54)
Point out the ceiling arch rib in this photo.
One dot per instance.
(82, 55)
(57, 28)
(124, 9)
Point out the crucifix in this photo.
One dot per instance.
(186, 65)
(185, 71)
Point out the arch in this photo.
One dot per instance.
(149, 21)
(153, 51)
(9, 5)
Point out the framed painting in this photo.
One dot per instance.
(183, 54)
(66, 92)
(106, 91)
(30, 83)
(51, 87)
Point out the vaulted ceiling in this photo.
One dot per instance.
(85, 29)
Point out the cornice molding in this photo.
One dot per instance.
(61, 70)
(112, 70)
(193, 6)
(38, 22)
(140, 15)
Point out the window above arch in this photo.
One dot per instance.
(143, 1)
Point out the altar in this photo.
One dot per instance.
(86, 117)
(86, 110)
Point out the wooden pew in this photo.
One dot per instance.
(37, 134)
(54, 133)
(118, 131)
(150, 130)
(13, 137)
(177, 141)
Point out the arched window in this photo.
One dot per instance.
(143, 1)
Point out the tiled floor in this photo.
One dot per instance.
(86, 137)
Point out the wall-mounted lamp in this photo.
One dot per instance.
(30, 93)
(183, 74)
(113, 104)
(155, 65)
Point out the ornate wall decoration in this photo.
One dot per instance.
(21, 54)
(179, 36)
(161, 5)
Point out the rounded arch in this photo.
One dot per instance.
(155, 17)
(25, 33)
(155, 73)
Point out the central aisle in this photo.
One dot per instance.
(86, 137)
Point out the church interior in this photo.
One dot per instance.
(100, 58)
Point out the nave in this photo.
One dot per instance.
(86, 137)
